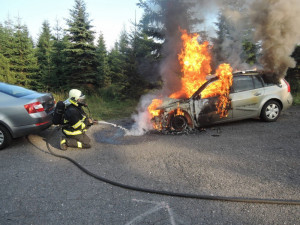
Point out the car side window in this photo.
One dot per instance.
(242, 83)
(257, 82)
(268, 81)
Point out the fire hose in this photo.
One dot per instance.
(169, 193)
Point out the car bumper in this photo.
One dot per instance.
(39, 123)
(288, 102)
(30, 129)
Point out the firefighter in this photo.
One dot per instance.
(76, 122)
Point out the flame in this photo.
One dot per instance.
(220, 88)
(178, 111)
(195, 61)
(152, 108)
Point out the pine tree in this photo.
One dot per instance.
(4, 62)
(4, 69)
(114, 61)
(81, 51)
(59, 59)
(162, 18)
(146, 56)
(117, 73)
(250, 52)
(103, 69)
(7, 50)
(2, 38)
(23, 62)
(43, 53)
(136, 54)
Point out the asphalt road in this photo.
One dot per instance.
(243, 159)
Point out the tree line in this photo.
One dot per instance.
(70, 58)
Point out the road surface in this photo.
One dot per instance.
(249, 158)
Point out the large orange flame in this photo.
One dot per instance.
(220, 88)
(195, 60)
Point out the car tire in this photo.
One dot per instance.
(5, 137)
(270, 111)
(179, 123)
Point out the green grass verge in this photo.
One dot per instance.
(102, 109)
(296, 98)
(105, 110)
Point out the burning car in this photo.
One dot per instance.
(251, 94)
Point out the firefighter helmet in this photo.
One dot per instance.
(76, 95)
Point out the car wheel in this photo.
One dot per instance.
(270, 111)
(5, 137)
(178, 123)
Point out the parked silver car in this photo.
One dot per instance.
(252, 95)
(22, 112)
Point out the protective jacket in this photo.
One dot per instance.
(76, 121)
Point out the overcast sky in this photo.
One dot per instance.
(108, 16)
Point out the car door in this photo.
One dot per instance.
(247, 92)
(206, 112)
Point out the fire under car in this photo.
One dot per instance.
(252, 95)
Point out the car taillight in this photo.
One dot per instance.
(288, 85)
(34, 107)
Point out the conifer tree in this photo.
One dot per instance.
(102, 60)
(23, 62)
(7, 50)
(4, 62)
(115, 63)
(58, 59)
(43, 53)
(4, 69)
(135, 51)
(81, 51)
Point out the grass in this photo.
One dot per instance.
(296, 98)
(102, 109)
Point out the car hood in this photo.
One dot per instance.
(171, 102)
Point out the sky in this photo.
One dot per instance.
(107, 16)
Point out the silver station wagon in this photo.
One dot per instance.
(22, 112)
(252, 95)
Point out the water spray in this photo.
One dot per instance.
(114, 125)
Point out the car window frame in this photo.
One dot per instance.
(197, 94)
(260, 79)
(232, 91)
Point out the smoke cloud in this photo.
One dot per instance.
(142, 118)
(175, 17)
(276, 24)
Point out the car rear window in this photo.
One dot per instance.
(15, 91)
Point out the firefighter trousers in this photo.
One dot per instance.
(78, 141)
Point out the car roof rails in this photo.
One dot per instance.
(247, 72)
